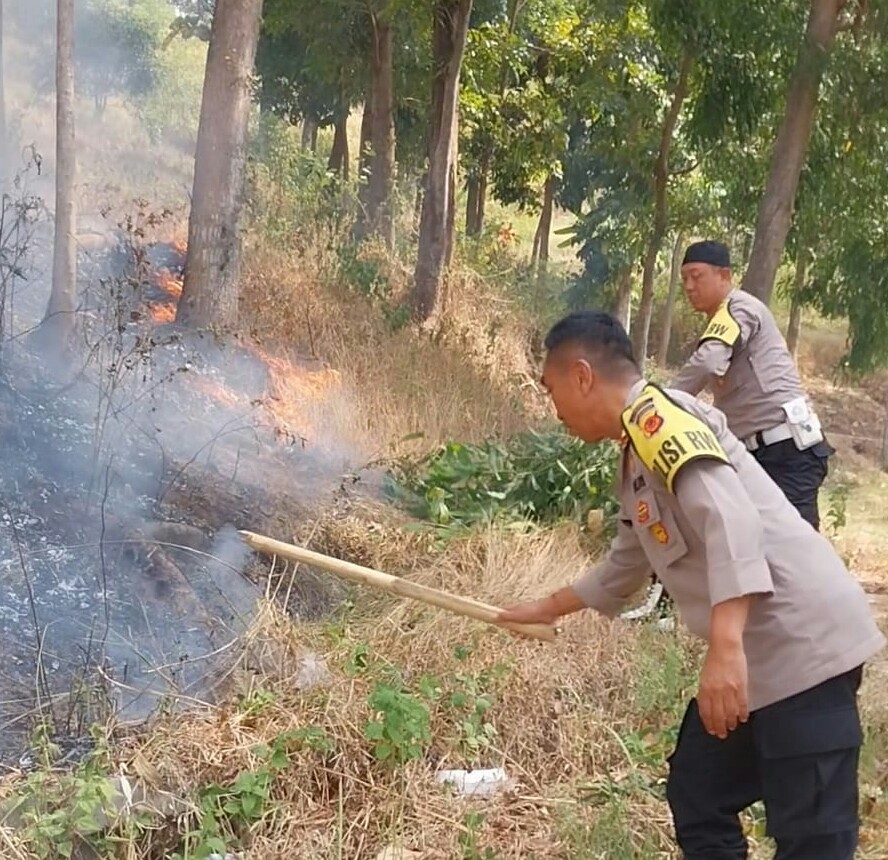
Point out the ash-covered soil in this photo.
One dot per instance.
(123, 480)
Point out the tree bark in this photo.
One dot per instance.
(661, 180)
(450, 28)
(212, 271)
(59, 320)
(790, 148)
(5, 170)
(365, 147)
(544, 228)
(623, 310)
(473, 195)
(382, 167)
(669, 310)
(450, 228)
(476, 227)
(883, 458)
(309, 134)
(794, 329)
(339, 155)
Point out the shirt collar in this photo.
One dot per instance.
(635, 391)
(631, 397)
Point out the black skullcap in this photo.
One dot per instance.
(714, 253)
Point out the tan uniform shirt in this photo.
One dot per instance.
(723, 531)
(743, 359)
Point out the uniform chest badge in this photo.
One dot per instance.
(643, 512)
(660, 533)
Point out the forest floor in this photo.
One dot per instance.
(316, 725)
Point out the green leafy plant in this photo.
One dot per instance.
(468, 838)
(226, 812)
(837, 510)
(257, 701)
(533, 476)
(60, 810)
(400, 727)
(466, 698)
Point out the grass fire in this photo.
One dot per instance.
(278, 445)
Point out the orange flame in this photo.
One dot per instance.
(217, 391)
(169, 283)
(162, 313)
(291, 387)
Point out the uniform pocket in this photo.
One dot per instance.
(808, 765)
(660, 536)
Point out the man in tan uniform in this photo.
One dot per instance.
(788, 628)
(743, 359)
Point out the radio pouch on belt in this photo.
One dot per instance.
(804, 424)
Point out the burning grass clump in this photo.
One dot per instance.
(469, 378)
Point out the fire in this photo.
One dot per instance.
(217, 391)
(291, 388)
(169, 283)
(162, 313)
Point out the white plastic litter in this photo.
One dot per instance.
(475, 783)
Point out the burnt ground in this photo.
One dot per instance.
(121, 489)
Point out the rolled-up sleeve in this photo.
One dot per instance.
(710, 358)
(607, 586)
(718, 508)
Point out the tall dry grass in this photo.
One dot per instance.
(566, 715)
(467, 378)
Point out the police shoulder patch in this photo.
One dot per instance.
(667, 437)
(722, 327)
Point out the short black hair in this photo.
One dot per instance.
(600, 335)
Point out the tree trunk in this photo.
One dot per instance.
(309, 134)
(478, 190)
(477, 225)
(5, 170)
(212, 272)
(339, 155)
(790, 149)
(483, 185)
(794, 329)
(418, 197)
(473, 195)
(544, 228)
(883, 458)
(450, 229)
(661, 180)
(382, 168)
(450, 28)
(623, 311)
(669, 310)
(365, 145)
(59, 319)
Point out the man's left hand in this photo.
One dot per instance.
(722, 698)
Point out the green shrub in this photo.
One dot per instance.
(543, 477)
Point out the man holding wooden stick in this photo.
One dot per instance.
(788, 628)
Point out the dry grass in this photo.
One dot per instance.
(467, 378)
(582, 726)
(564, 715)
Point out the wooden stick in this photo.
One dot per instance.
(465, 606)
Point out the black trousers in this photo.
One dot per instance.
(798, 473)
(800, 756)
